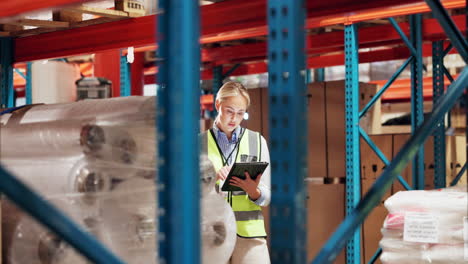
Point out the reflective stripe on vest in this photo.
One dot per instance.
(249, 216)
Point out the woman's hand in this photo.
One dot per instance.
(223, 173)
(248, 185)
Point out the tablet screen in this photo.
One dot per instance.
(239, 169)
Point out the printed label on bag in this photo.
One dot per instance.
(421, 227)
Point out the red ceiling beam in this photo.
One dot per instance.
(388, 54)
(17, 7)
(330, 42)
(138, 32)
(316, 19)
(216, 19)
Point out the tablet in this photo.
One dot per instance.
(238, 169)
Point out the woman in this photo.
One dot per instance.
(226, 143)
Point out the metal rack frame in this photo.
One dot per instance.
(179, 238)
(421, 131)
(287, 116)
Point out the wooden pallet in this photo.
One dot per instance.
(70, 17)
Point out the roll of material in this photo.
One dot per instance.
(59, 138)
(96, 109)
(218, 229)
(56, 138)
(24, 240)
(129, 212)
(131, 236)
(133, 144)
(135, 196)
(207, 176)
(71, 175)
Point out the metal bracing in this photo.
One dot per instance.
(455, 36)
(7, 92)
(287, 118)
(379, 94)
(353, 190)
(447, 73)
(373, 197)
(28, 83)
(405, 39)
(125, 76)
(48, 215)
(459, 175)
(381, 156)
(417, 99)
(439, 132)
(178, 108)
(375, 256)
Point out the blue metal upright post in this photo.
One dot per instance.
(125, 77)
(439, 132)
(28, 83)
(308, 76)
(7, 93)
(319, 75)
(288, 141)
(453, 33)
(178, 108)
(417, 110)
(353, 190)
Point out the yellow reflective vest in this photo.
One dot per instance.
(249, 216)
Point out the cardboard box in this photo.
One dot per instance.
(371, 168)
(456, 158)
(317, 143)
(458, 118)
(325, 211)
(317, 148)
(336, 126)
(255, 111)
(371, 165)
(400, 139)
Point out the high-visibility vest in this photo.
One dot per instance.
(249, 216)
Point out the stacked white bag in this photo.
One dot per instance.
(426, 227)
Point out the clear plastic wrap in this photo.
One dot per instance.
(113, 108)
(96, 161)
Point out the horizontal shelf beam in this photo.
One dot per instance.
(140, 32)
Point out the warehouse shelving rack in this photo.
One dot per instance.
(179, 100)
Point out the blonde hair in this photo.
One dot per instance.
(232, 89)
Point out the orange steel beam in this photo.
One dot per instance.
(401, 88)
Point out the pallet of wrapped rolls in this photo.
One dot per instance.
(96, 161)
(426, 227)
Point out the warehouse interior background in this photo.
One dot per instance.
(362, 87)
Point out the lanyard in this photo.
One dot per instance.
(236, 147)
